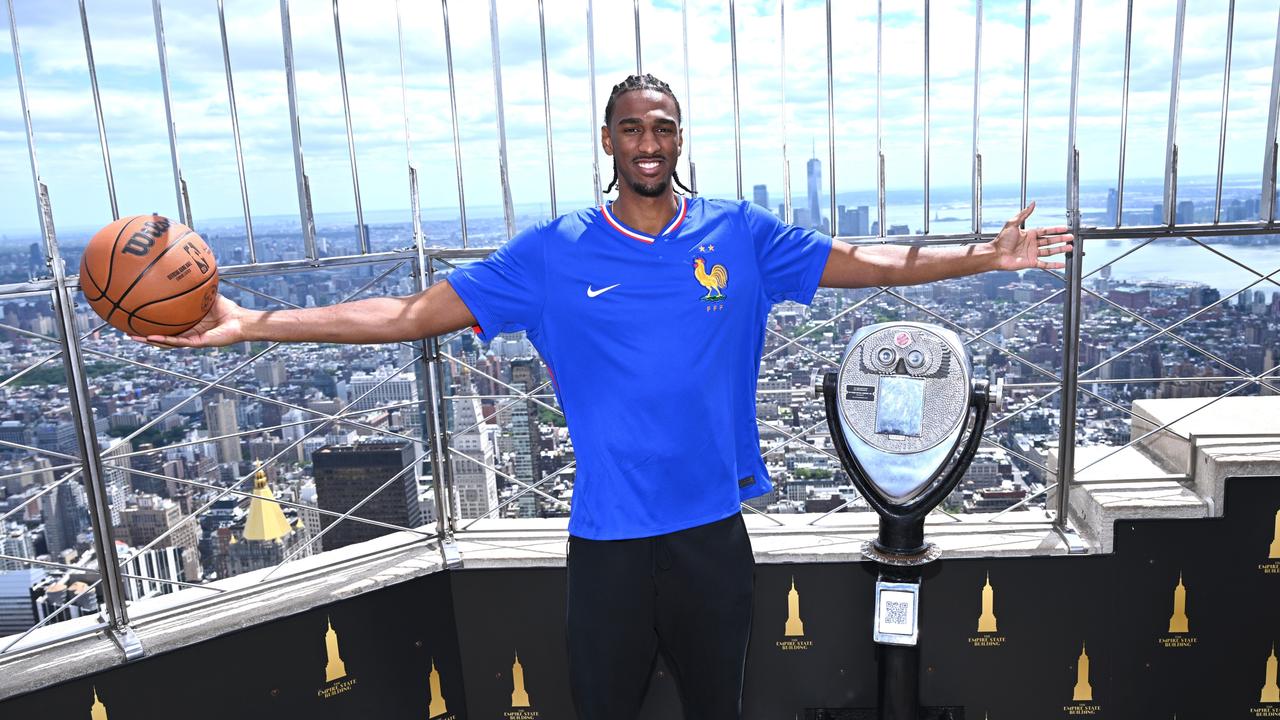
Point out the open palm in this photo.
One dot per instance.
(221, 326)
(1019, 249)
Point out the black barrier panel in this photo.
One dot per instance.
(1182, 620)
(369, 656)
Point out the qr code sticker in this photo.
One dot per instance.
(897, 613)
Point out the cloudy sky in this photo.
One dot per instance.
(124, 48)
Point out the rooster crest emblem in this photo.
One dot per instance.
(714, 281)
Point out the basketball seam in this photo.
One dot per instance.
(134, 314)
(145, 270)
(84, 273)
(111, 261)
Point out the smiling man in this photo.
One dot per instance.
(650, 312)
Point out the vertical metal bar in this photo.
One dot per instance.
(1268, 210)
(977, 114)
(1124, 111)
(786, 158)
(1026, 95)
(415, 202)
(508, 211)
(1071, 308)
(295, 128)
(1222, 128)
(453, 118)
(831, 130)
(361, 233)
(97, 111)
(114, 610)
(433, 402)
(179, 184)
(1171, 142)
(880, 218)
(235, 134)
(737, 120)
(546, 108)
(639, 65)
(926, 117)
(687, 121)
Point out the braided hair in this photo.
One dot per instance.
(640, 82)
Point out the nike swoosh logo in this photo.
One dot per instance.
(597, 293)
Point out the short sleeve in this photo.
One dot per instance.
(505, 291)
(791, 259)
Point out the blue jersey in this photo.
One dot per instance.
(654, 345)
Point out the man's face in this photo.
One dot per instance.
(644, 140)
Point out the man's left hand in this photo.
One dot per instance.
(1019, 249)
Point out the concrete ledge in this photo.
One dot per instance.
(1097, 506)
(1218, 459)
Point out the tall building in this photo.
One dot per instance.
(17, 600)
(382, 388)
(524, 432)
(1113, 206)
(148, 570)
(15, 542)
(149, 517)
(474, 479)
(267, 537)
(347, 474)
(760, 195)
(815, 183)
(65, 516)
(269, 372)
(220, 419)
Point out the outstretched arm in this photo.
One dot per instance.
(436, 310)
(851, 266)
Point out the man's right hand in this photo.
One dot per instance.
(223, 325)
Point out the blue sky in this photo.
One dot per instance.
(53, 55)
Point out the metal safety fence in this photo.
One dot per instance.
(159, 461)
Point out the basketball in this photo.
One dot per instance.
(147, 275)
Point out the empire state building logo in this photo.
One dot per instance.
(987, 636)
(335, 670)
(1270, 687)
(97, 711)
(438, 706)
(793, 631)
(1082, 694)
(520, 709)
(1272, 565)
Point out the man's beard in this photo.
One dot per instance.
(650, 190)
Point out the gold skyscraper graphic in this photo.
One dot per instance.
(795, 626)
(519, 696)
(1178, 620)
(98, 711)
(335, 668)
(1275, 542)
(1083, 691)
(1270, 689)
(438, 706)
(987, 622)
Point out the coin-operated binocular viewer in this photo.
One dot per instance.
(906, 416)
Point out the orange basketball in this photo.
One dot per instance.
(147, 275)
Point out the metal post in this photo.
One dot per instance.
(97, 112)
(1026, 95)
(977, 114)
(115, 612)
(591, 78)
(361, 234)
(1171, 142)
(453, 118)
(926, 117)
(415, 203)
(1124, 111)
(1071, 308)
(1226, 94)
(737, 120)
(1268, 209)
(508, 211)
(880, 219)
(639, 64)
(436, 408)
(546, 108)
(687, 121)
(235, 135)
(295, 129)
(179, 184)
(786, 158)
(831, 130)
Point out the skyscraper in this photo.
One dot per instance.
(346, 474)
(815, 182)
(524, 431)
(760, 195)
(474, 479)
(64, 515)
(220, 419)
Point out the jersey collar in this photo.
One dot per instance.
(644, 237)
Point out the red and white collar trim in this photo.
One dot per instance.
(635, 234)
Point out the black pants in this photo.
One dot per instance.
(687, 594)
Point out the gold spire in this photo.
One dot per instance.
(794, 626)
(519, 696)
(266, 520)
(1271, 687)
(987, 621)
(1178, 620)
(1083, 690)
(98, 711)
(438, 705)
(335, 668)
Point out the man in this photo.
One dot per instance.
(650, 314)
